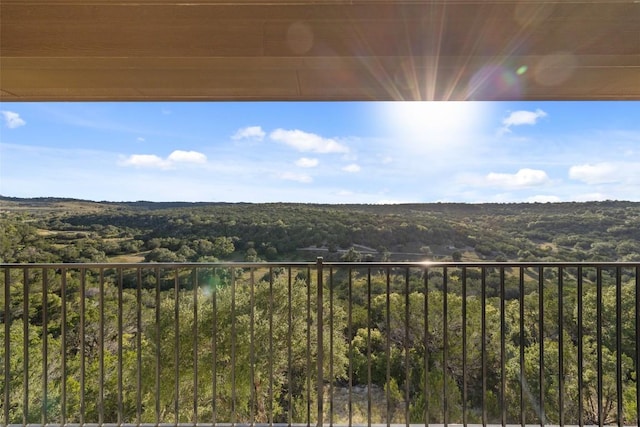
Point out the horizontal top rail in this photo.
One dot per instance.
(289, 425)
(403, 264)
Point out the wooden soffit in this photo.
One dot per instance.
(118, 50)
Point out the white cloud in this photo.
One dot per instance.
(352, 168)
(145, 161)
(156, 162)
(306, 162)
(519, 118)
(521, 179)
(522, 117)
(187, 157)
(251, 132)
(140, 139)
(12, 120)
(308, 142)
(599, 173)
(298, 177)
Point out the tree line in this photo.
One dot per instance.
(51, 230)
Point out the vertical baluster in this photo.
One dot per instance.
(309, 323)
(407, 370)
(464, 346)
(599, 343)
(290, 347)
(521, 343)
(426, 346)
(45, 346)
(233, 346)
(483, 334)
(25, 345)
(331, 354)
(158, 338)
(637, 361)
(387, 346)
(252, 362)
(214, 350)
(619, 396)
(139, 346)
(82, 345)
(176, 345)
(350, 339)
(561, 345)
(580, 346)
(63, 343)
(320, 361)
(101, 348)
(271, 303)
(541, 348)
(120, 359)
(369, 399)
(196, 288)
(445, 344)
(503, 332)
(7, 344)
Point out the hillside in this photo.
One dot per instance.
(384, 331)
(68, 230)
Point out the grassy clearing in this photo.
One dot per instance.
(139, 257)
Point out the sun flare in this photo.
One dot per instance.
(433, 125)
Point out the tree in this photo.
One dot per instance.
(352, 255)
(223, 246)
(251, 255)
(251, 371)
(162, 255)
(426, 250)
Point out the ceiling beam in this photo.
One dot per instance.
(319, 50)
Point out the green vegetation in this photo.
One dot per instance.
(63, 230)
(251, 337)
(401, 329)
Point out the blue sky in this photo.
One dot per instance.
(322, 152)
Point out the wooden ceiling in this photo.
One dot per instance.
(118, 50)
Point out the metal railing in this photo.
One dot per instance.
(320, 343)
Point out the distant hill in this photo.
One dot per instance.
(182, 231)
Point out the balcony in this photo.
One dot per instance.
(320, 343)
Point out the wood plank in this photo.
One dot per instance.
(164, 30)
(342, 49)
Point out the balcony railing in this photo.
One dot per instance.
(320, 343)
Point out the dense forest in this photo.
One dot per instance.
(489, 340)
(65, 230)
